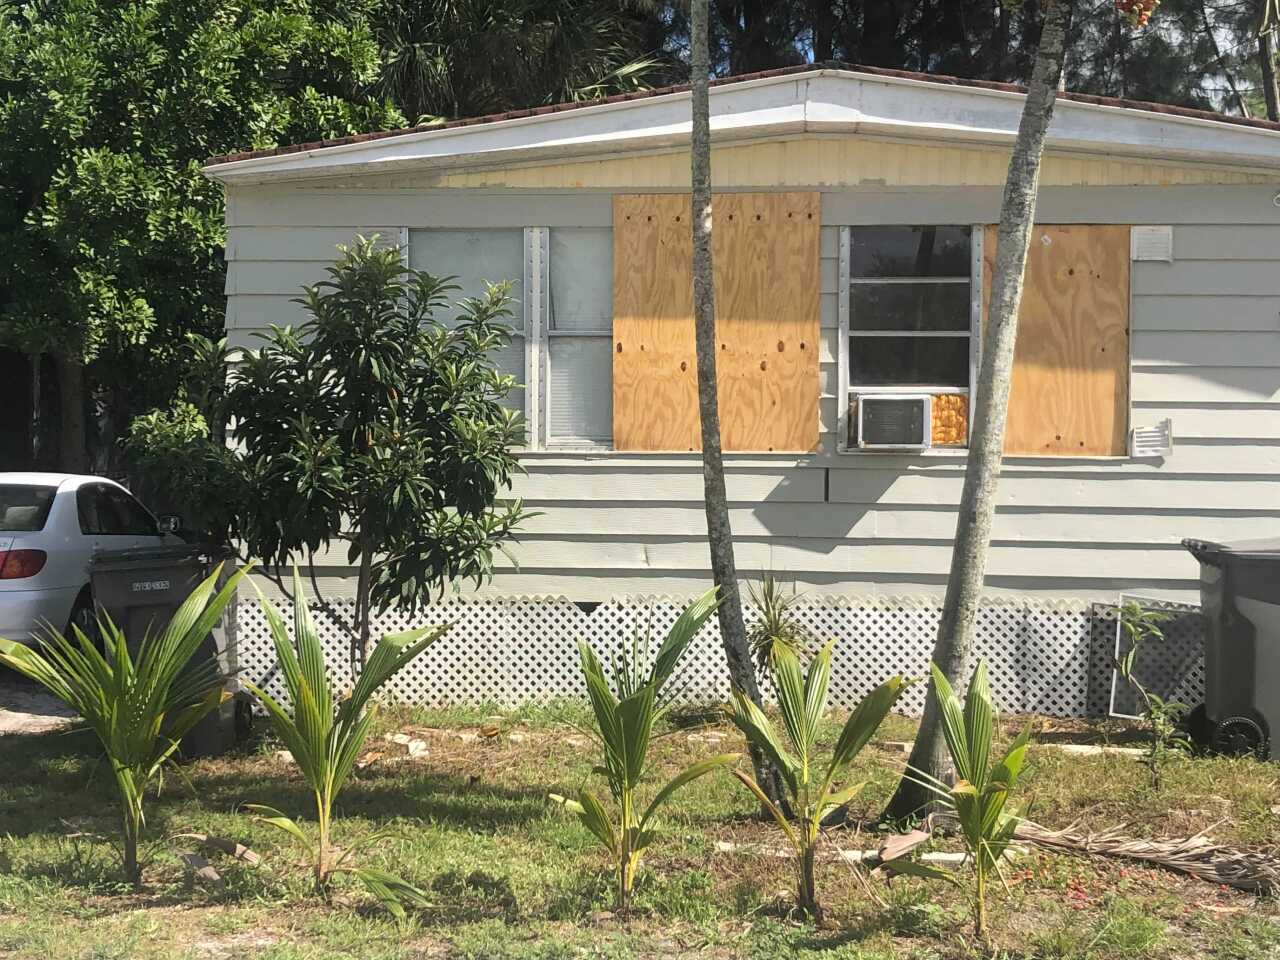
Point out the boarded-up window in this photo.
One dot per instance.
(766, 288)
(1070, 388)
(474, 258)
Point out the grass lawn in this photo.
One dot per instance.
(513, 876)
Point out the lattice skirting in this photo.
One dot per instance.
(1051, 658)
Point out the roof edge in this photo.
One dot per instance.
(215, 165)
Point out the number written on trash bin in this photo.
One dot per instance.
(148, 586)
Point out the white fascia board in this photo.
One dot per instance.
(821, 102)
(900, 107)
(766, 107)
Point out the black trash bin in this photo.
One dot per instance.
(141, 588)
(1240, 597)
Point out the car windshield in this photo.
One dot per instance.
(24, 508)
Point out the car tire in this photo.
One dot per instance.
(84, 616)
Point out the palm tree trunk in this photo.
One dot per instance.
(978, 499)
(724, 571)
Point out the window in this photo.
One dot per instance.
(578, 405)
(474, 258)
(111, 512)
(130, 518)
(907, 313)
(563, 324)
(24, 509)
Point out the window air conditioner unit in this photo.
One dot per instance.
(895, 421)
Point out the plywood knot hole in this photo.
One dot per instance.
(764, 364)
(758, 216)
(781, 346)
(802, 344)
(619, 347)
(683, 366)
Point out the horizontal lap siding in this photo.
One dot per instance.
(1205, 350)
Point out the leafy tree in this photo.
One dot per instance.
(461, 59)
(375, 423)
(110, 238)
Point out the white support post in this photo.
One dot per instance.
(976, 235)
(842, 350)
(535, 312)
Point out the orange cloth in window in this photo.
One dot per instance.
(950, 420)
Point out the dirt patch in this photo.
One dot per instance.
(26, 708)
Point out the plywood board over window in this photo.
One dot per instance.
(1070, 386)
(765, 248)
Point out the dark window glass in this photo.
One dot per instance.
(909, 306)
(909, 251)
(906, 361)
(90, 506)
(24, 509)
(131, 518)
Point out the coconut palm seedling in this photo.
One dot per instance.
(624, 726)
(979, 797)
(139, 703)
(325, 735)
(813, 790)
(776, 627)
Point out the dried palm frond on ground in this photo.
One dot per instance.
(1256, 871)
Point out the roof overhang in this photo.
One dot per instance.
(821, 101)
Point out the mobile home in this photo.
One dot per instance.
(854, 238)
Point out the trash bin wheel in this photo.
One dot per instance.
(1240, 737)
(1196, 726)
(243, 719)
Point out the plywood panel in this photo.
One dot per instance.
(766, 250)
(767, 283)
(1070, 394)
(655, 375)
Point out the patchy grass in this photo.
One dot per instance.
(511, 876)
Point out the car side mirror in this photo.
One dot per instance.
(169, 523)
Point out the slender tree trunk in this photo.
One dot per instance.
(73, 455)
(1267, 62)
(724, 571)
(37, 411)
(978, 498)
(360, 639)
(1222, 64)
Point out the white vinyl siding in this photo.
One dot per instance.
(1204, 353)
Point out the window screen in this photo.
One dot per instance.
(909, 306)
(579, 332)
(472, 258)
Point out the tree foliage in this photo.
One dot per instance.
(110, 239)
(379, 422)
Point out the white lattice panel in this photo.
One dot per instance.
(1044, 657)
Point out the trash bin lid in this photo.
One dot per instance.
(1215, 554)
(161, 553)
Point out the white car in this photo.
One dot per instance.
(51, 525)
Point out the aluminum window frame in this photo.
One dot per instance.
(847, 334)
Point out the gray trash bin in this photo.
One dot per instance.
(1240, 597)
(141, 588)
